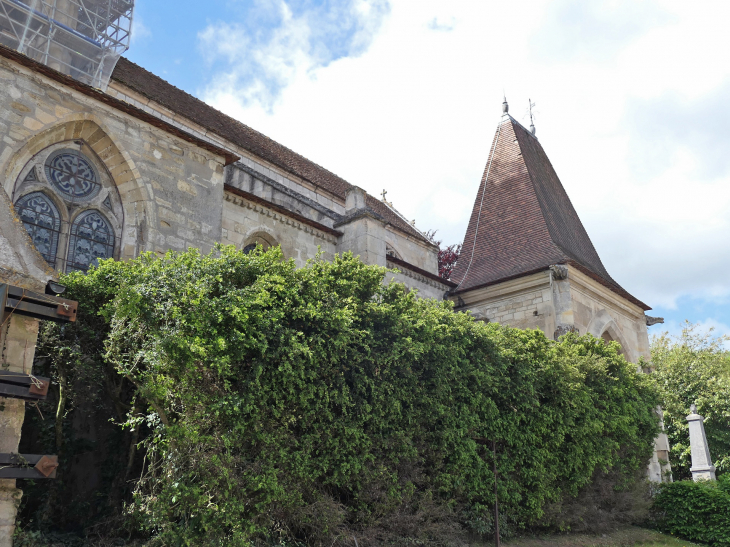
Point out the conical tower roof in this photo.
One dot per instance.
(523, 220)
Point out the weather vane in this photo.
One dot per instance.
(532, 123)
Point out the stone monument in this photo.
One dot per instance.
(702, 468)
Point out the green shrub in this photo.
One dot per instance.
(696, 511)
(306, 404)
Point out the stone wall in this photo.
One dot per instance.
(22, 266)
(246, 221)
(601, 312)
(524, 303)
(171, 190)
(560, 300)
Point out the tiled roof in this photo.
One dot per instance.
(524, 222)
(158, 90)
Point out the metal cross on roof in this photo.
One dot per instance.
(383, 194)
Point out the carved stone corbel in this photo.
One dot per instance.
(563, 329)
(560, 272)
(653, 320)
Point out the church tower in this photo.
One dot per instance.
(527, 260)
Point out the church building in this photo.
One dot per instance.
(101, 158)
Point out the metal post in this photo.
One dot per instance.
(496, 499)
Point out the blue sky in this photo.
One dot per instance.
(405, 95)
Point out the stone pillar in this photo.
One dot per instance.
(562, 301)
(363, 229)
(659, 468)
(18, 340)
(702, 468)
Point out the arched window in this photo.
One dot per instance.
(260, 238)
(70, 230)
(92, 238)
(390, 251)
(42, 221)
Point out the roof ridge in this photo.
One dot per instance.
(234, 120)
(237, 133)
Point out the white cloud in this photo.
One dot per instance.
(140, 31)
(630, 100)
(263, 60)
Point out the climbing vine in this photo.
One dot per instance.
(313, 404)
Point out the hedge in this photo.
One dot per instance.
(696, 511)
(316, 403)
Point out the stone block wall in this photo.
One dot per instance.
(245, 221)
(524, 303)
(563, 300)
(171, 190)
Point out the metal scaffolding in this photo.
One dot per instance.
(80, 38)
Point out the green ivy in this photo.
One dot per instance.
(303, 404)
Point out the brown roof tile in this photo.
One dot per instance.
(158, 90)
(524, 221)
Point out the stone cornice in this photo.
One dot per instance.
(260, 206)
(422, 276)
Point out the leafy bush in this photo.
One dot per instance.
(693, 368)
(314, 403)
(696, 511)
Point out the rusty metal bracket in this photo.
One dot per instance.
(28, 466)
(17, 385)
(31, 304)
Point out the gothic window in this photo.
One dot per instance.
(92, 238)
(42, 221)
(70, 231)
(248, 248)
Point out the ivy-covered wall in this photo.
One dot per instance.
(261, 401)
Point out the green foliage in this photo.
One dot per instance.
(303, 404)
(79, 420)
(694, 368)
(697, 511)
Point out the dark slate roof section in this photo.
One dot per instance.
(527, 222)
(393, 218)
(158, 90)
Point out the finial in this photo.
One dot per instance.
(693, 408)
(413, 222)
(532, 123)
(505, 106)
(383, 194)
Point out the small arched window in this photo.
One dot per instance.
(390, 251)
(92, 238)
(42, 221)
(263, 239)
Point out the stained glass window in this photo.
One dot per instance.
(42, 221)
(92, 238)
(72, 175)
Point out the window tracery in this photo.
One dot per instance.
(42, 222)
(70, 207)
(92, 238)
(72, 175)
